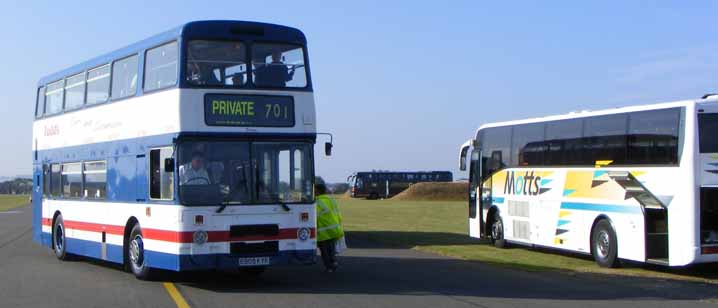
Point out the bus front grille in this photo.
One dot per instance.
(253, 230)
(264, 249)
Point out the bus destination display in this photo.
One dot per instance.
(248, 110)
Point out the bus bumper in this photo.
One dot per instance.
(226, 261)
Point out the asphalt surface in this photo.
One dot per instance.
(370, 276)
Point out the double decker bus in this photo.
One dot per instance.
(190, 150)
(636, 183)
(386, 184)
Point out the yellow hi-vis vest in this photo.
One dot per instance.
(329, 220)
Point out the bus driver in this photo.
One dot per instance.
(194, 172)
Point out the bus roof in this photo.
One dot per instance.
(207, 29)
(584, 114)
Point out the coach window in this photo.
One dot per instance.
(55, 180)
(75, 92)
(72, 180)
(527, 145)
(95, 176)
(53, 97)
(605, 139)
(124, 77)
(653, 136)
(40, 103)
(495, 149)
(278, 66)
(98, 85)
(161, 67)
(161, 178)
(564, 145)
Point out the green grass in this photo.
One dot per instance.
(442, 228)
(12, 201)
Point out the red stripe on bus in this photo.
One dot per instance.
(179, 236)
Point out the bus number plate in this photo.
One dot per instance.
(248, 110)
(254, 261)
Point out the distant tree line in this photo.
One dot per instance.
(16, 187)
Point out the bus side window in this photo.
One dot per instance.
(161, 180)
(46, 180)
(55, 180)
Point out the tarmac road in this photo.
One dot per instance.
(370, 276)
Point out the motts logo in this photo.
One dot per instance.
(526, 185)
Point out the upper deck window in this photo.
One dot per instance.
(161, 67)
(54, 97)
(278, 66)
(124, 77)
(216, 63)
(75, 91)
(98, 85)
(40, 103)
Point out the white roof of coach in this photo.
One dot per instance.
(587, 113)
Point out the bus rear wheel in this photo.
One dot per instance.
(136, 254)
(497, 232)
(604, 246)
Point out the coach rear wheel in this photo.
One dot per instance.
(136, 254)
(603, 245)
(59, 242)
(497, 232)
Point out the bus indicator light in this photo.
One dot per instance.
(305, 216)
(198, 220)
(148, 211)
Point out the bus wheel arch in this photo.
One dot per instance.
(496, 228)
(489, 219)
(52, 229)
(131, 222)
(603, 224)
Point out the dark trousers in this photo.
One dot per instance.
(329, 253)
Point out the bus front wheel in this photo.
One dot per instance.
(497, 232)
(604, 245)
(59, 241)
(136, 254)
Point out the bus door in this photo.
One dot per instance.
(37, 190)
(476, 203)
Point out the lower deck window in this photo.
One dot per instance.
(95, 180)
(72, 180)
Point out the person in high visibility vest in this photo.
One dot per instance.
(329, 227)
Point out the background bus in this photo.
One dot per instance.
(635, 183)
(386, 184)
(190, 150)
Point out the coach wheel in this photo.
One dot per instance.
(59, 242)
(136, 254)
(604, 246)
(497, 232)
(374, 196)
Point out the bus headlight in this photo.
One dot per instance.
(303, 234)
(199, 237)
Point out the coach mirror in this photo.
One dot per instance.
(169, 165)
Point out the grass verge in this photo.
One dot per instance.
(12, 201)
(442, 228)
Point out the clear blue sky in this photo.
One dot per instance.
(400, 84)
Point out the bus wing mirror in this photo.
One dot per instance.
(169, 165)
(462, 155)
(328, 148)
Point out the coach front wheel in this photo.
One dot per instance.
(136, 254)
(59, 242)
(497, 232)
(604, 245)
